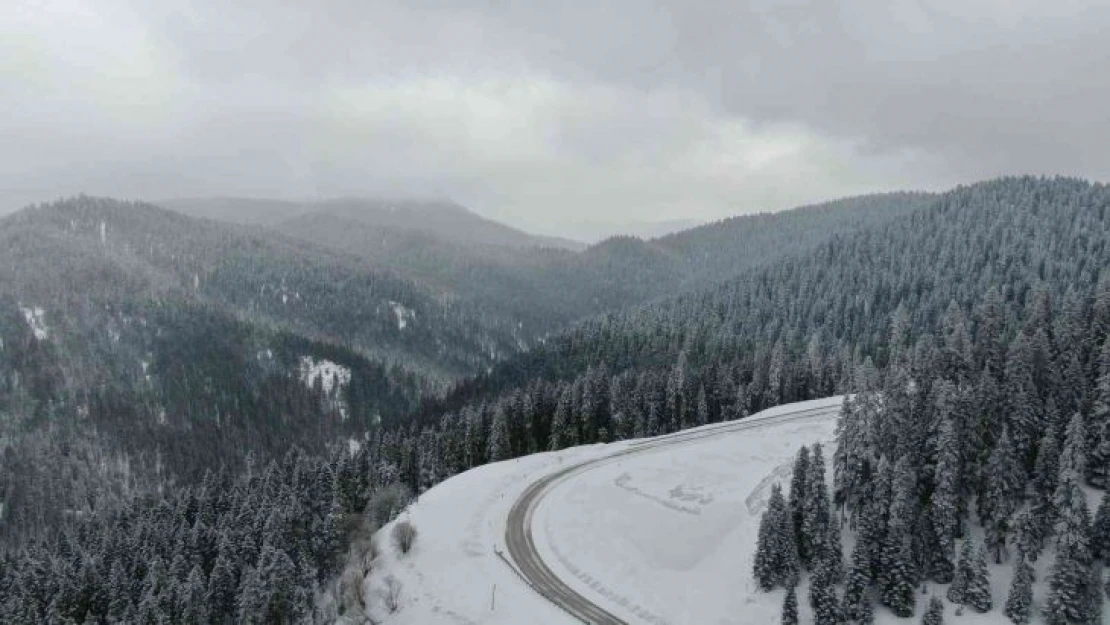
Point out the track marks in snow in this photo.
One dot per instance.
(623, 482)
(601, 589)
(761, 494)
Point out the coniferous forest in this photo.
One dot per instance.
(971, 330)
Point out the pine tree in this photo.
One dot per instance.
(897, 576)
(790, 607)
(978, 593)
(1004, 486)
(194, 605)
(702, 408)
(784, 539)
(816, 509)
(826, 606)
(499, 446)
(222, 590)
(934, 614)
(1073, 583)
(328, 538)
(945, 512)
(957, 591)
(1019, 603)
(564, 433)
(1100, 422)
(856, 607)
(896, 579)
(798, 497)
(1029, 533)
(1100, 531)
(775, 559)
(1023, 398)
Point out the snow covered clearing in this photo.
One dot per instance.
(402, 314)
(668, 535)
(330, 374)
(332, 377)
(36, 319)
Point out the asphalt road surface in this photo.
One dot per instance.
(518, 531)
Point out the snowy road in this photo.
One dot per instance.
(521, 542)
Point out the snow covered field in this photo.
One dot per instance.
(663, 536)
(668, 535)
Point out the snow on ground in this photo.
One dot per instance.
(328, 372)
(666, 536)
(36, 318)
(402, 314)
(450, 574)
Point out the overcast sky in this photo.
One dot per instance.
(535, 112)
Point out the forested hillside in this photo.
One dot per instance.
(797, 329)
(139, 348)
(543, 287)
(980, 441)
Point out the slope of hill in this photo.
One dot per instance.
(60, 250)
(544, 290)
(442, 220)
(775, 328)
(161, 346)
(239, 210)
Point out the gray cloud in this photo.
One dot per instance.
(536, 112)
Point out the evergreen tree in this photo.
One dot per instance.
(957, 591)
(775, 558)
(826, 606)
(1046, 473)
(1029, 530)
(499, 446)
(1099, 446)
(790, 607)
(269, 591)
(798, 498)
(1004, 485)
(1023, 403)
(945, 512)
(222, 590)
(563, 431)
(194, 604)
(897, 576)
(1100, 531)
(1073, 580)
(857, 601)
(978, 593)
(816, 509)
(1019, 603)
(934, 614)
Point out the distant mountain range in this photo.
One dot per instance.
(442, 219)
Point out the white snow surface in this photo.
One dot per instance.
(36, 318)
(328, 372)
(450, 574)
(666, 536)
(402, 314)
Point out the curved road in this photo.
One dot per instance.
(518, 531)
